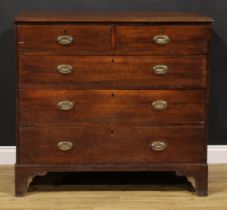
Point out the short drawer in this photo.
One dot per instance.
(128, 72)
(165, 39)
(64, 39)
(118, 107)
(111, 145)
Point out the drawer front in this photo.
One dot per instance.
(143, 107)
(128, 72)
(163, 39)
(64, 39)
(111, 145)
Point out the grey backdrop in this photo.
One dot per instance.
(216, 9)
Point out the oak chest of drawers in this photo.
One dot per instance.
(112, 92)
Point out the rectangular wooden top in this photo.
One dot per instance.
(136, 17)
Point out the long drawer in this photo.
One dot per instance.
(163, 39)
(111, 145)
(128, 72)
(143, 107)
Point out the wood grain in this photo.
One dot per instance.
(87, 39)
(112, 106)
(112, 87)
(112, 197)
(112, 72)
(199, 172)
(111, 145)
(183, 39)
(108, 16)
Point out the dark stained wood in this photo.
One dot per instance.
(112, 72)
(118, 107)
(24, 176)
(183, 39)
(200, 175)
(108, 16)
(112, 86)
(206, 110)
(25, 173)
(111, 145)
(44, 38)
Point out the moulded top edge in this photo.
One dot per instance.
(136, 17)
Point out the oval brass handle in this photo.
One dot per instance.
(160, 69)
(65, 145)
(65, 39)
(158, 145)
(65, 105)
(64, 69)
(161, 39)
(159, 105)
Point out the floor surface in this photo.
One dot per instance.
(148, 193)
